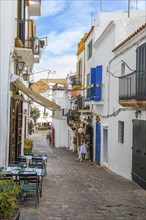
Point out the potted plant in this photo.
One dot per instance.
(28, 145)
(9, 192)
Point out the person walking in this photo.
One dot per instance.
(82, 151)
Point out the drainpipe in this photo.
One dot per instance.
(108, 98)
(8, 110)
(84, 76)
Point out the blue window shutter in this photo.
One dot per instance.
(93, 76)
(99, 74)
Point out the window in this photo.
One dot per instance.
(80, 67)
(80, 71)
(89, 50)
(122, 69)
(21, 20)
(121, 132)
(141, 58)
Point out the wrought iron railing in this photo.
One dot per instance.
(76, 80)
(133, 86)
(26, 31)
(40, 45)
(94, 93)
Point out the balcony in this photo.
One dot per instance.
(94, 94)
(132, 90)
(34, 8)
(28, 47)
(40, 45)
(76, 81)
(25, 41)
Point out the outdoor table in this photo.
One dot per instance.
(15, 173)
(16, 170)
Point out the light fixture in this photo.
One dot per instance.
(19, 66)
(18, 97)
(26, 76)
(51, 72)
(137, 113)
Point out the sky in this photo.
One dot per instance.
(64, 22)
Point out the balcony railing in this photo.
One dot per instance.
(76, 80)
(40, 45)
(94, 93)
(132, 86)
(127, 86)
(26, 31)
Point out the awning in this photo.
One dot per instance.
(35, 97)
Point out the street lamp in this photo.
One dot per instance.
(49, 72)
(27, 75)
(19, 66)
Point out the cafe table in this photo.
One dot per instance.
(15, 173)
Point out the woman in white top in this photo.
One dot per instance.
(82, 152)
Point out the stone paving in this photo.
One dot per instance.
(82, 190)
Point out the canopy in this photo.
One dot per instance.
(43, 120)
(35, 97)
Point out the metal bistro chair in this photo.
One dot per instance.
(39, 160)
(39, 166)
(15, 164)
(6, 175)
(21, 159)
(29, 183)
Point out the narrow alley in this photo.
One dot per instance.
(82, 190)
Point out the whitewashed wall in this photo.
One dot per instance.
(109, 35)
(61, 132)
(120, 155)
(59, 97)
(7, 14)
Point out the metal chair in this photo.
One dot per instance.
(21, 159)
(39, 166)
(38, 160)
(6, 175)
(29, 183)
(15, 164)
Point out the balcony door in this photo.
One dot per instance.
(21, 20)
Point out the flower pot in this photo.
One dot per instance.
(15, 217)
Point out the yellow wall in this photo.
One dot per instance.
(81, 44)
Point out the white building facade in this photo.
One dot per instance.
(18, 54)
(102, 72)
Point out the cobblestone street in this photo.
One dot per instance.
(82, 190)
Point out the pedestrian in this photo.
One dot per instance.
(82, 151)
